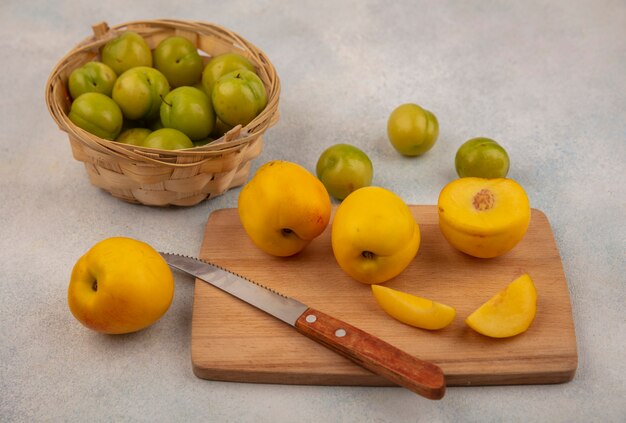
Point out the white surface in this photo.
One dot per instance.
(546, 79)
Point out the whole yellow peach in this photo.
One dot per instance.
(283, 208)
(120, 285)
(374, 235)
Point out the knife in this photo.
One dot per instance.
(366, 350)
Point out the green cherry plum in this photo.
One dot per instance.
(168, 139)
(238, 97)
(97, 114)
(133, 136)
(126, 51)
(139, 92)
(482, 158)
(92, 77)
(412, 130)
(220, 65)
(178, 59)
(190, 111)
(344, 168)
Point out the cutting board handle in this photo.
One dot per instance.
(376, 355)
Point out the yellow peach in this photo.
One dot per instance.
(374, 235)
(413, 310)
(283, 208)
(483, 217)
(120, 285)
(509, 312)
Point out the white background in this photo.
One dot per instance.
(545, 79)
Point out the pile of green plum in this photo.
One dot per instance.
(165, 98)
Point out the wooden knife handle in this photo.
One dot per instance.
(376, 355)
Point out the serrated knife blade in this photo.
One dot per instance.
(284, 308)
(366, 350)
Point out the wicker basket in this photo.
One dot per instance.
(164, 177)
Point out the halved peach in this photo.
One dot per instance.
(413, 310)
(509, 312)
(483, 217)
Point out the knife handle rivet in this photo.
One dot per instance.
(311, 318)
(340, 333)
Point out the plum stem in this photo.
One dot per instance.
(163, 100)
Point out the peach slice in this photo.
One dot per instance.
(509, 312)
(413, 310)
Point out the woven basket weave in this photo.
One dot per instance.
(164, 177)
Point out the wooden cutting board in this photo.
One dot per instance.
(232, 341)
